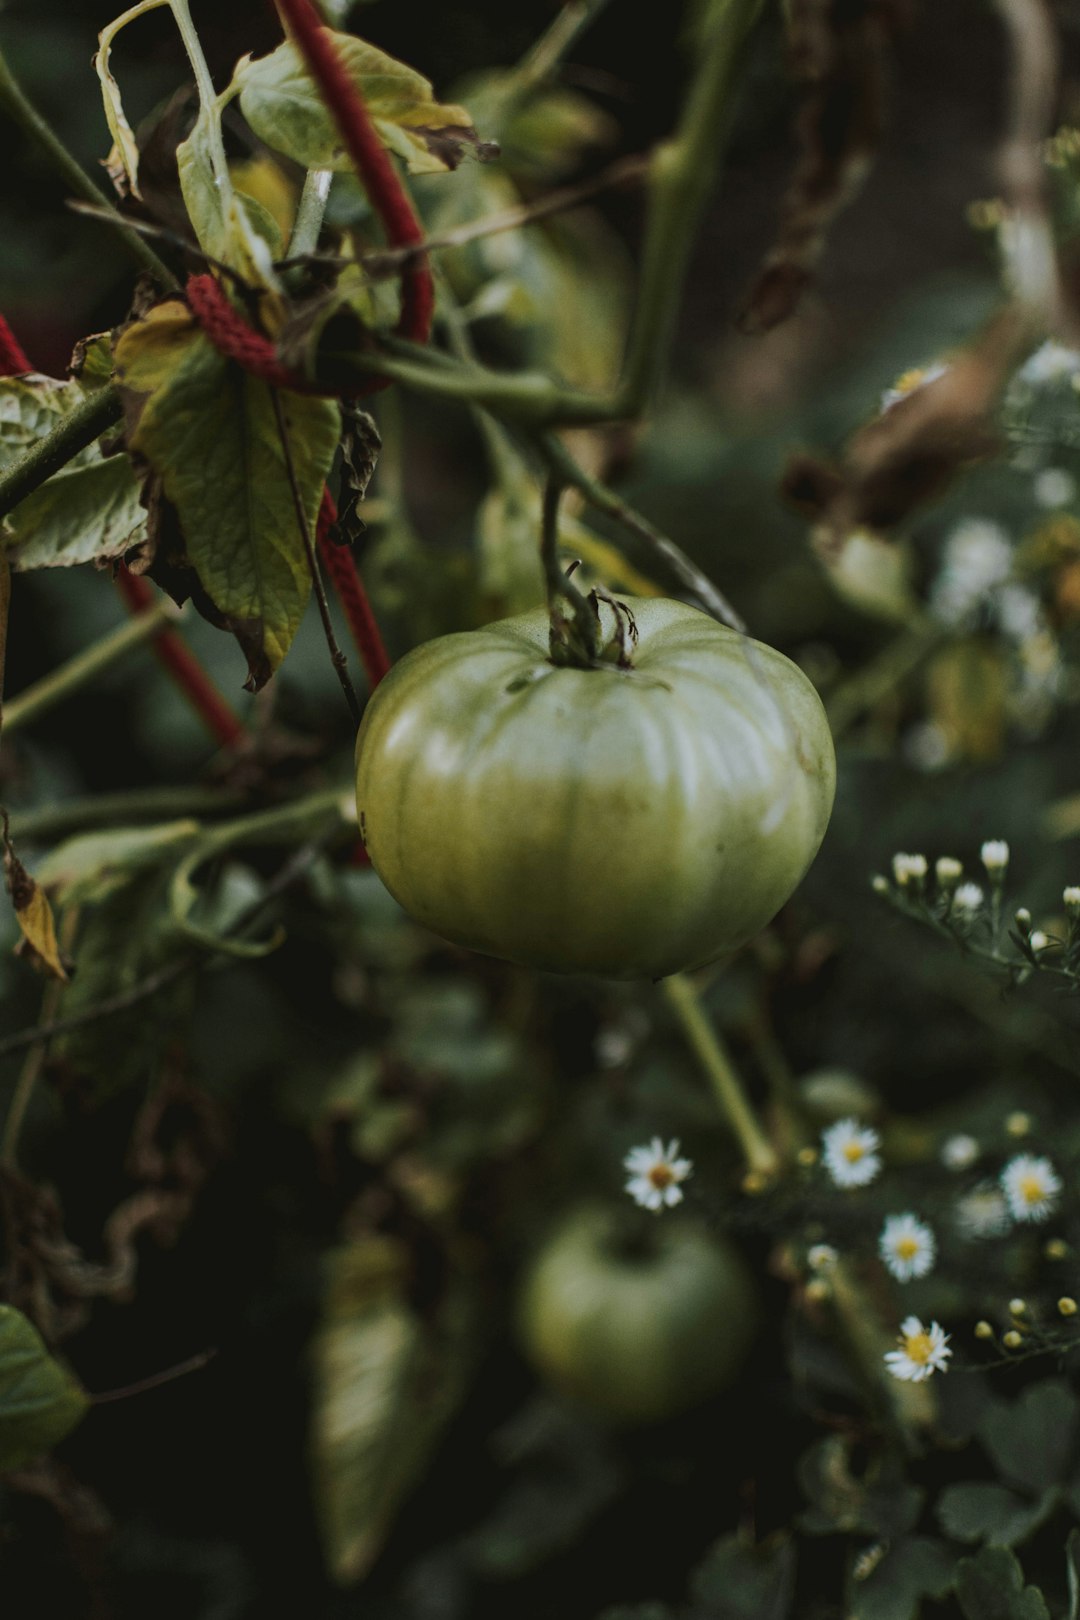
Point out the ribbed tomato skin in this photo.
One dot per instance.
(627, 823)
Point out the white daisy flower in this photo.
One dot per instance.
(850, 1152)
(995, 855)
(959, 1152)
(977, 558)
(1038, 940)
(907, 1246)
(1031, 1186)
(1071, 897)
(655, 1174)
(923, 1350)
(1054, 487)
(910, 382)
(983, 1213)
(1052, 362)
(909, 869)
(948, 871)
(821, 1256)
(967, 901)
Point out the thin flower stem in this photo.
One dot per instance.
(15, 102)
(337, 657)
(60, 683)
(761, 1158)
(87, 422)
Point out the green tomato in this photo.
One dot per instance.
(624, 822)
(637, 1331)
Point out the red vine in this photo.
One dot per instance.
(13, 361)
(385, 192)
(176, 656)
(342, 568)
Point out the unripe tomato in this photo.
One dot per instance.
(637, 1332)
(624, 822)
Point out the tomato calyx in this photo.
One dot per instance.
(595, 640)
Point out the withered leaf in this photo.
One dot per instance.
(33, 914)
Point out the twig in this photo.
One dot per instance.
(104, 1009)
(30, 1072)
(194, 1363)
(15, 102)
(80, 427)
(540, 62)
(388, 261)
(583, 642)
(78, 671)
(337, 657)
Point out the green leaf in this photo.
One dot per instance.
(991, 1587)
(741, 1581)
(1032, 1439)
(283, 105)
(209, 430)
(386, 1381)
(91, 866)
(90, 511)
(915, 1568)
(39, 1401)
(991, 1512)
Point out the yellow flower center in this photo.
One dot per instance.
(918, 1347)
(661, 1176)
(1032, 1190)
(910, 379)
(853, 1151)
(907, 1248)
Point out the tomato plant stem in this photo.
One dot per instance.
(682, 997)
(578, 642)
(87, 422)
(378, 176)
(15, 102)
(60, 683)
(180, 662)
(309, 212)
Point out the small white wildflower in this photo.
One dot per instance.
(923, 1350)
(1022, 919)
(1038, 940)
(879, 883)
(959, 1152)
(1019, 613)
(907, 1246)
(982, 1213)
(1052, 362)
(968, 900)
(1054, 487)
(909, 382)
(655, 1175)
(995, 855)
(909, 869)
(821, 1256)
(948, 871)
(976, 559)
(1071, 897)
(850, 1152)
(1031, 1186)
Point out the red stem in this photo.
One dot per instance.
(185, 669)
(12, 359)
(342, 567)
(385, 191)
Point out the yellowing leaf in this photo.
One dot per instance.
(33, 914)
(209, 431)
(282, 104)
(39, 1401)
(122, 162)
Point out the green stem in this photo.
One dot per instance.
(605, 500)
(541, 60)
(204, 84)
(14, 101)
(309, 212)
(761, 1158)
(87, 422)
(85, 667)
(681, 179)
(45, 825)
(576, 642)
